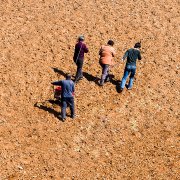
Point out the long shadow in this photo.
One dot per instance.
(113, 80)
(50, 110)
(56, 70)
(90, 77)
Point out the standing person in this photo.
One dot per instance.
(132, 55)
(67, 96)
(107, 52)
(80, 49)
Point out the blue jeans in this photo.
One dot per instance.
(130, 69)
(67, 101)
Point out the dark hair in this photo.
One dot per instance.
(137, 45)
(110, 42)
(68, 76)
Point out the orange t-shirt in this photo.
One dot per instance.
(106, 54)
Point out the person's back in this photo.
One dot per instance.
(80, 49)
(67, 88)
(132, 55)
(106, 54)
(67, 95)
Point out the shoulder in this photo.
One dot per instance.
(71, 82)
(78, 44)
(102, 46)
(136, 50)
(83, 44)
(112, 48)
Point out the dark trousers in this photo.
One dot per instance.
(105, 72)
(67, 101)
(79, 73)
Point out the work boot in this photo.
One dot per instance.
(81, 77)
(73, 116)
(107, 79)
(101, 83)
(119, 90)
(62, 119)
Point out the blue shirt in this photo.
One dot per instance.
(67, 87)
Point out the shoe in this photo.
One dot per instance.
(107, 79)
(62, 119)
(81, 77)
(120, 90)
(73, 117)
(101, 83)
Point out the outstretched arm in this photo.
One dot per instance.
(58, 83)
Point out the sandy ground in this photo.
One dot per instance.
(133, 135)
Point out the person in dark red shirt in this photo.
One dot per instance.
(80, 49)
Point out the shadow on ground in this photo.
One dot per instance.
(58, 71)
(49, 109)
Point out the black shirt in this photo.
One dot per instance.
(132, 55)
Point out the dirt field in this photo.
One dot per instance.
(133, 135)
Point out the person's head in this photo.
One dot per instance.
(81, 38)
(110, 42)
(68, 76)
(137, 45)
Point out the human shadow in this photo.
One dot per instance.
(113, 80)
(49, 109)
(118, 89)
(90, 77)
(58, 71)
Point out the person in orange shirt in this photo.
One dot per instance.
(106, 52)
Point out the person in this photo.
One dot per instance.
(132, 55)
(80, 49)
(106, 53)
(67, 96)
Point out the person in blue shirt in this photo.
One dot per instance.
(132, 55)
(67, 96)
